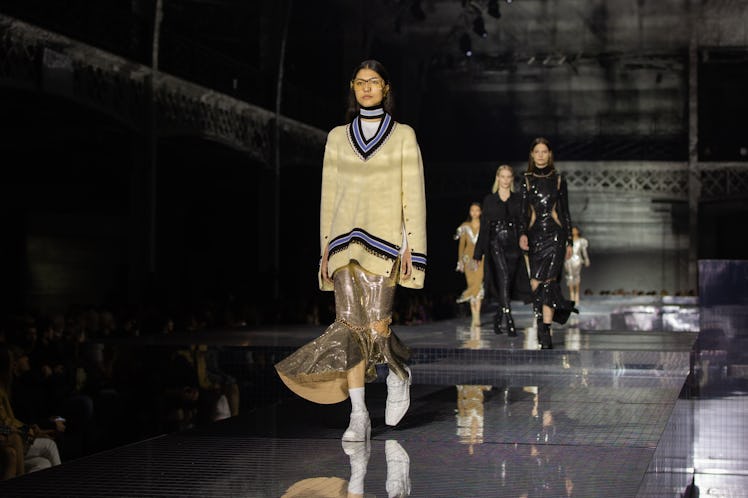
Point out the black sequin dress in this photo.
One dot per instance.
(547, 223)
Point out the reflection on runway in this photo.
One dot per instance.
(470, 414)
(625, 412)
(397, 483)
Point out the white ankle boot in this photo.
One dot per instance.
(398, 398)
(359, 428)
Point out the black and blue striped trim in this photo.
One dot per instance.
(419, 260)
(374, 245)
(367, 148)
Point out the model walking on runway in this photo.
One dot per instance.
(372, 238)
(499, 240)
(573, 265)
(467, 236)
(545, 231)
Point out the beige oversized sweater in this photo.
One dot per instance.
(370, 207)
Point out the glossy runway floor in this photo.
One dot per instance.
(639, 398)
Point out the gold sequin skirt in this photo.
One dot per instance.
(318, 370)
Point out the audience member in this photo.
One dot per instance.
(39, 449)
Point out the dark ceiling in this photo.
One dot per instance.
(602, 79)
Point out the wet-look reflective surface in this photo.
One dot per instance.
(640, 397)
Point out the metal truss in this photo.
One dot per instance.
(35, 59)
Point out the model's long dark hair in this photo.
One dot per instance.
(474, 203)
(388, 99)
(531, 168)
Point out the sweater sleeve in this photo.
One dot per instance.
(327, 197)
(414, 209)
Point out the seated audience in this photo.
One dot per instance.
(39, 448)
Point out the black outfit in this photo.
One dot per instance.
(542, 195)
(499, 239)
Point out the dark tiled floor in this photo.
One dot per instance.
(633, 402)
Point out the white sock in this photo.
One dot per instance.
(357, 399)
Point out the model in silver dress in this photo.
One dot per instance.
(573, 265)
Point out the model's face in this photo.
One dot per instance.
(541, 155)
(505, 178)
(369, 88)
(475, 211)
(575, 232)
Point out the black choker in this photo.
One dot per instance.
(373, 112)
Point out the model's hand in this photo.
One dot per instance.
(406, 264)
(568, 252)
(587, 264)
(460, 267)
(523, 244)
(323, 267)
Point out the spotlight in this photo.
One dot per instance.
(493, 9)
(479, 27)
(466, 46)
(417, 11)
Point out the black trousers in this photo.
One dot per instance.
(505, 259)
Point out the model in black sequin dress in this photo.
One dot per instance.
(545, 231)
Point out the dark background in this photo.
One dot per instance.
(72, 210)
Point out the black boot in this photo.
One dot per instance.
(544, 336)
(537, 304)
(498, 318)
(508, 323)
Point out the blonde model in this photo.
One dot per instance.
(499, 240)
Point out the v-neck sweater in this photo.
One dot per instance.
(367, 206)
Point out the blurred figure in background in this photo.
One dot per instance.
(573, 265)
(467, 237)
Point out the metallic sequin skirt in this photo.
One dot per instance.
(547, 250)
(318, 370)
(547, 257)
